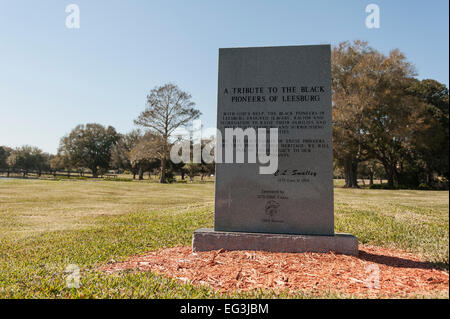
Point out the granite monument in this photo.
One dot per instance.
(288, 207)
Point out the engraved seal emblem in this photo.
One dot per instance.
(272, 208)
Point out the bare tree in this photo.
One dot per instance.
(168, 108)
(120, 153)
(146, 154)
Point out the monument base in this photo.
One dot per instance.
(207, 239)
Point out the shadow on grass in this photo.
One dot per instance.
(402, 262)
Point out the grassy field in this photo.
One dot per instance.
(46, 225)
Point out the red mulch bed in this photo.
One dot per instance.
(401, 274)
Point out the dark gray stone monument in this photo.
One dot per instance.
(290, 209)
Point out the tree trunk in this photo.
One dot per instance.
(350, 171)
(141, 174)
(429, 178)
(392, 176)
(371, 179)
(94, 172)
(395, 177)
(163, 170)
(355, 173)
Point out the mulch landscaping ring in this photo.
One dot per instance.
(376, 272)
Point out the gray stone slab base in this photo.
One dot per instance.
(207, 239)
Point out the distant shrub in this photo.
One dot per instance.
(170, 177)
(118, 179)
(379, 186)
(424, 187)
(72, 177)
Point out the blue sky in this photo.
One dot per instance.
(53, 78)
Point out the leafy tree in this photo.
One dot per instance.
(43, 164)
(350, 98)
(60, 163)
(391, 116)
(372, 169)
(168, 108)
(374, 116)
(89, 146)
(27, 158)
(431, 147)
(4, 154)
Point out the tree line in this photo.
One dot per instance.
(98, 149)
(387, 124)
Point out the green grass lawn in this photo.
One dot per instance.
(46, 225)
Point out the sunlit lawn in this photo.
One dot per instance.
(46, 225)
